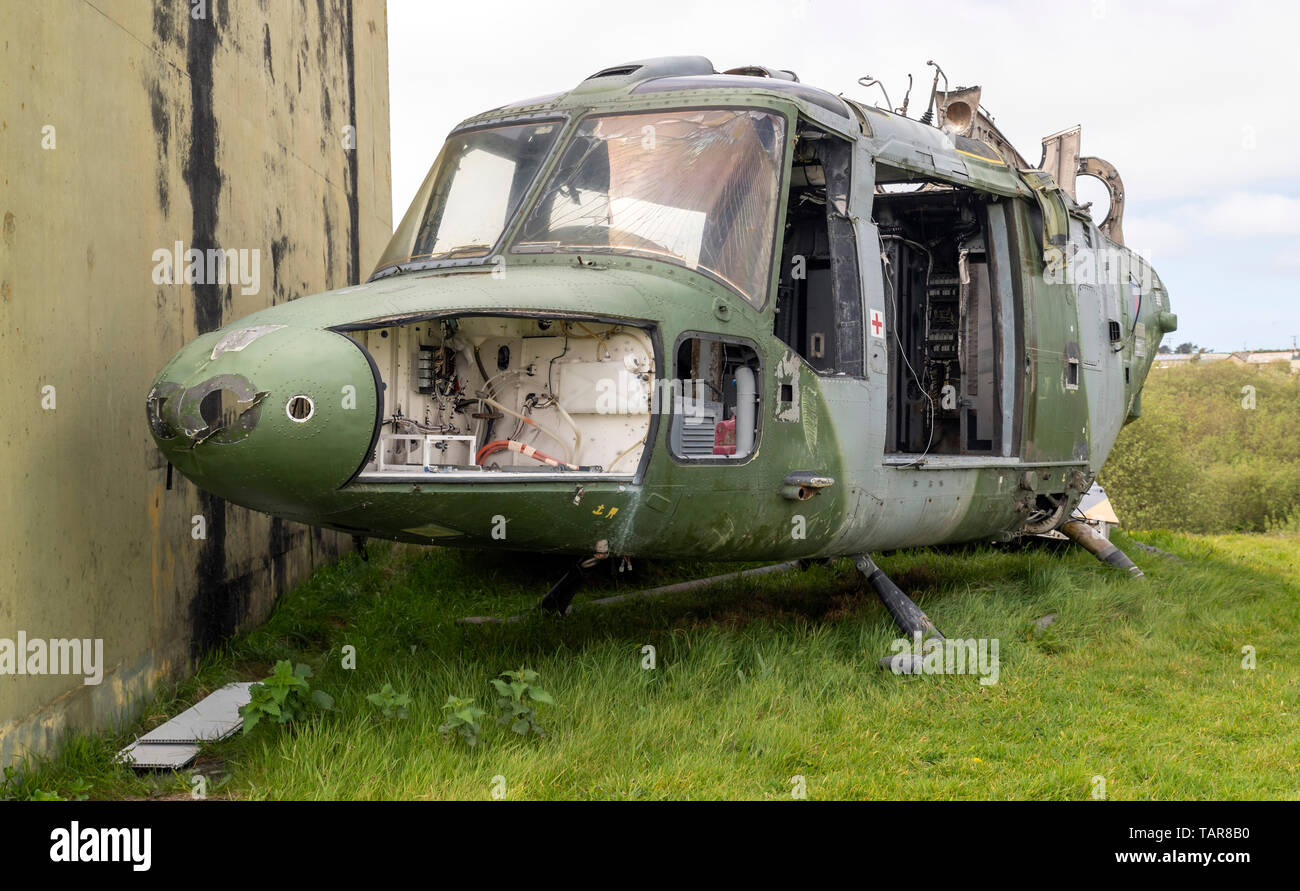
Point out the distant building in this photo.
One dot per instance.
(1263, 358)
(1168, 360)
(1242, 357)
(1267, 357)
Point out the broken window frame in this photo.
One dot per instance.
(847, 337)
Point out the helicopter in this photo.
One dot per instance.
(680, 313)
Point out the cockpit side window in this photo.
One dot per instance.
(716, 400)
(469, 197)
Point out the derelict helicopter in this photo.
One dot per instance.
(673, 312)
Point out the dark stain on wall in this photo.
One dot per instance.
(323, 20)
(277, 545)
(326, 112)
(279, 248)
(165, 32)
(164, 23)
(219, 602)
(354, 207)
(322, 48)
(329, 241)
(266, 49)
(162, 133)
(203, 178)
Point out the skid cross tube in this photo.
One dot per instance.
(909, 617)
(561, 593)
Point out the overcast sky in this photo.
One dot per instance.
(1187, 99)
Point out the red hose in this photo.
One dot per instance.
(500, 445)
(497, 445)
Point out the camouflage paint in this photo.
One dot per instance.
(834, 427)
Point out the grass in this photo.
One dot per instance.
(759, 682)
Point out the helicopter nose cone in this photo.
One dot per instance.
(268, 416)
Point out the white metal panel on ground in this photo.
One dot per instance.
(175, 743)
(216, 717)
(158, 755)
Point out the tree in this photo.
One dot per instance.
(1164, 349)
(1184, 349)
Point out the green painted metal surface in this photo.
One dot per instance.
(1062, 428)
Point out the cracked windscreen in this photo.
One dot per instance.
(469, 196)
(698, 187)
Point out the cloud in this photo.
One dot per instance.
(1253, 215)
(1287, 260)
(1155, 237)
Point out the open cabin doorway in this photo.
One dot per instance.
(953, 314)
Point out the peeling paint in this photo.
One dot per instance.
(808, 402)
(787, 374)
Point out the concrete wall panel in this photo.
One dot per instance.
(215, 124)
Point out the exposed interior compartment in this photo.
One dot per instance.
(476, 396)
(716, 417)
(951, 320)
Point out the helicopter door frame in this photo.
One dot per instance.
(819, 306)
(955, 313)
(1003, 253)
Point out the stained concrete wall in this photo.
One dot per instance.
(125, 128)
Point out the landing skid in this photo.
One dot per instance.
(559, 598)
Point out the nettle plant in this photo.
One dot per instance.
(463, 718)
(391, 704)
(283, 697)
(517, 694)
(15, 787)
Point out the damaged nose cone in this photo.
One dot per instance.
(224, 408)
(267, 416)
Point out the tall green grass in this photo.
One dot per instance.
(760, 683)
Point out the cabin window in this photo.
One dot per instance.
(951, 314)
(716, 400)
(818, 300)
